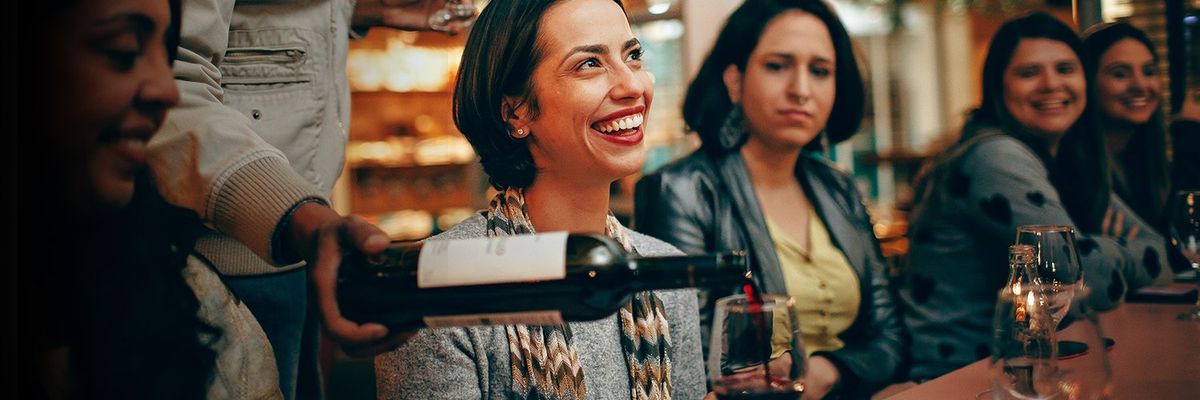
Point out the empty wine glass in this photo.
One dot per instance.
(755, 349)
(453, 10)
(1185, 236)
(1084, 372)
(1027, 358)
(1056, 261)
(1024, 363)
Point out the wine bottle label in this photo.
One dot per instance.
(549, 317)
(483, 261)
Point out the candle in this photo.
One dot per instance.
(1031, 308)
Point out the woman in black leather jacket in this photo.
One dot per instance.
(756, 185)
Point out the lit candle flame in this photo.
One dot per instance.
(1031, 307)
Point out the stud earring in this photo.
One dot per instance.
(520, 134)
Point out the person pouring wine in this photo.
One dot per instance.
(577, 277)
(552, 96)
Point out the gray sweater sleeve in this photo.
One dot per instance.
(447, 364)
(687, 362)
(1008, 186)
(1148, 247)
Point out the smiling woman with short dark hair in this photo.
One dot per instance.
(552, 95)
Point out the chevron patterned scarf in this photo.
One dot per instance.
(545, 362)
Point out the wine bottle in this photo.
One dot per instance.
(1021, 266)
(540, 279)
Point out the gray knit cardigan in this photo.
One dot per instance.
(958, 259)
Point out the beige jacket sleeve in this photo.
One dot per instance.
(207, 157)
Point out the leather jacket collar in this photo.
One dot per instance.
(814, 176)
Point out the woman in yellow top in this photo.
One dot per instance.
(782, 79)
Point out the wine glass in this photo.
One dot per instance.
(1185, 236)
(755, 349)
(1056, 263)
(1024, 364)
(1027, 358)
(1084, 372)
(454, 9)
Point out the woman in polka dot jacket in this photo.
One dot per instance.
(1030, 154)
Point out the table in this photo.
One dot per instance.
(1156, 356)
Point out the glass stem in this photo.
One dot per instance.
(1197, 307)
(1196, 269)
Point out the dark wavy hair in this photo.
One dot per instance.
(707, 103)
(134, 330)
(107, 285)
(1140, 171)
(1079, 170)
(497, 63)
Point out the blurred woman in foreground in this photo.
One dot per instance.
(112, 305)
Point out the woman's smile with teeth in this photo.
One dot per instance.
(623, 123)
(1137, 101)
(1052, 104)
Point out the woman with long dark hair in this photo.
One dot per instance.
(1030, 154)
(112, 306)
(1128, 93)
(780, 84)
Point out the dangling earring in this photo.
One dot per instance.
(824, 140)
(733, 129)
(520, 133)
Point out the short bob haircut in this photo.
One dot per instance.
(1079, 170)
(497, 63)
(1145, 181)
(707, 103)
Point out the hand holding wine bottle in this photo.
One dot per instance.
(317, 234)
(540, 279)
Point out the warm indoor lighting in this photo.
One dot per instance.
(411, 151)
(402, 68)
(658, 6)
(662, 31)
(1113, 10)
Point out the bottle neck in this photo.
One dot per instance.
(674, 272)
(1021, 272)
(1021, 261)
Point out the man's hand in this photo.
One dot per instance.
(409, 15)
(320, 235)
